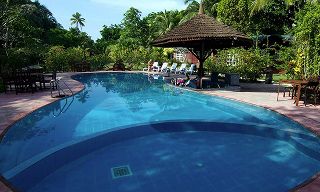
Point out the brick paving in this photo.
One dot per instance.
(13, 107)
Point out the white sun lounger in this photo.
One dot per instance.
(154, 67)
(164, 68)
(182, 68)
(192, 69)
(173, 68)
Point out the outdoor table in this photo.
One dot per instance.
(297, 85)
(47, 75)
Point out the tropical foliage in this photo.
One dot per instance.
(250, 64)
(307, 45)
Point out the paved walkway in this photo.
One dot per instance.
(14, 107)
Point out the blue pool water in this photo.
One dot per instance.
(260, 148)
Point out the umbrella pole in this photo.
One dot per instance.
(200, 73)
(201, 61)
(200, 70)
(201, 56)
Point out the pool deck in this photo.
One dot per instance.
(14, 107)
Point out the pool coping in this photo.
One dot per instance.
(315, 132)
(77, 87)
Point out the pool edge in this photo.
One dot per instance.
(81, 87)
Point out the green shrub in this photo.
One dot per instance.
(250, 64)
(60, 59)
(285, 60)
(55, 59)
(21, 57)
(74, 56)
(136, 57)
(99, 62)
(138, 66)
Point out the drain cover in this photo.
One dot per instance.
(122, 171)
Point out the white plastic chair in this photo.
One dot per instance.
(155, 67)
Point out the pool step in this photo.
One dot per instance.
(307, 146)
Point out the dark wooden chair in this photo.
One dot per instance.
(8, 81)
(50, 79)
(37, 75)
(311, 91)
(24, 82)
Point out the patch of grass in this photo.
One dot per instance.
(279, 77)
(276, 77)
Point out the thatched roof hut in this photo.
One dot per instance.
(202, 35)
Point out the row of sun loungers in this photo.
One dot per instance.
(173, 68)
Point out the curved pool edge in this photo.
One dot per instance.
(313, 182)
(304, 124)
(75, 86)
(211, 93)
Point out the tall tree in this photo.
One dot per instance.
(135, 30)
(23, 28)
(77, 20)
(109, 35)
(307, 40)
(235, 13)
(274, 18)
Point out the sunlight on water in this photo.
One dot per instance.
(280, 152)
(116, 100)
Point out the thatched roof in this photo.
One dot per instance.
(202, 29)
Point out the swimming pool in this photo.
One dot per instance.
(169, 138)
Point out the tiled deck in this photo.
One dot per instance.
(14, 107)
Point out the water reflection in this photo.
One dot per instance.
(83, 96)
(29, 127)
(67, 103)
(135, 89)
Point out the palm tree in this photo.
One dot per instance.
(167, 20)
(77, 20)
(190, 11)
